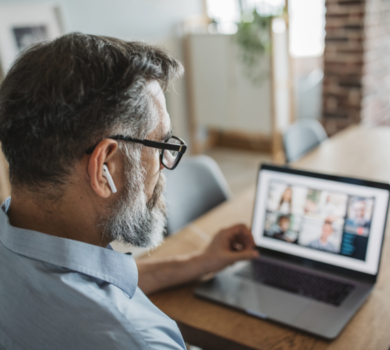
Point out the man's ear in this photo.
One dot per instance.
(104, 153)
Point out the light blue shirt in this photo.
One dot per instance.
(328, 246)
(58, 293)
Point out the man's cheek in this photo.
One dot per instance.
(158, 191)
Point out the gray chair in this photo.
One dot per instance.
(196, 186)
(302, 137)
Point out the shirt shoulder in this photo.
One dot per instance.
(54, 307)
(141, 319)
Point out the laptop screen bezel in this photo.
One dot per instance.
(313, 263)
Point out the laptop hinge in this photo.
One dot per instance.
(318, 266)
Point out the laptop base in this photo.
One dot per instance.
(291, 309)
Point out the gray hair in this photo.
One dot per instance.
(63, 96)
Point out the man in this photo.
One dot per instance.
(73, 114)
(323, 243)
(357, 222)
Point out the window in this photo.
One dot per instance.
(307, 27)
(229, 10)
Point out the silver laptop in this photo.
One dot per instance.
(320, 238)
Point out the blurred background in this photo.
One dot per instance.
(253, 67)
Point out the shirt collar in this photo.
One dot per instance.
(105, 264)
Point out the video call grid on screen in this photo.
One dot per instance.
(328, 221)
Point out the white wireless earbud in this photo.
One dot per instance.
(107, 175)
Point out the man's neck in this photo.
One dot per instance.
(70, 217)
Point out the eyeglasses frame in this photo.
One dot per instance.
(182, 148)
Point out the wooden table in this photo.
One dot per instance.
(358, 152)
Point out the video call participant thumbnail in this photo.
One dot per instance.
(323, 243)
(357, 221)
(281, 230)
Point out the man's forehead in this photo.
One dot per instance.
(163, 126)
(155, 89)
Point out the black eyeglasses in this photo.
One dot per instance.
(171, 150)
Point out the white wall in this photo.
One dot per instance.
(155, 21)
(225, 98)
(126, 19)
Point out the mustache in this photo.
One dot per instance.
(158, 191)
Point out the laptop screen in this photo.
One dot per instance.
(335, 222)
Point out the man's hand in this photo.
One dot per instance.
(228, 246)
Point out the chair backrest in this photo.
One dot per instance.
(196, 186)
(301, 137)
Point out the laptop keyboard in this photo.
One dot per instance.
(311, 286)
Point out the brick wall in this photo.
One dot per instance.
(356, 63)
(376, 77)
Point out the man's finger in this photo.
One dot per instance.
(244, 237)
(247, 254)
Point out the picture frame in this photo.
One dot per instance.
(24, 25)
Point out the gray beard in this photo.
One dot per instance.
(133, 219)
